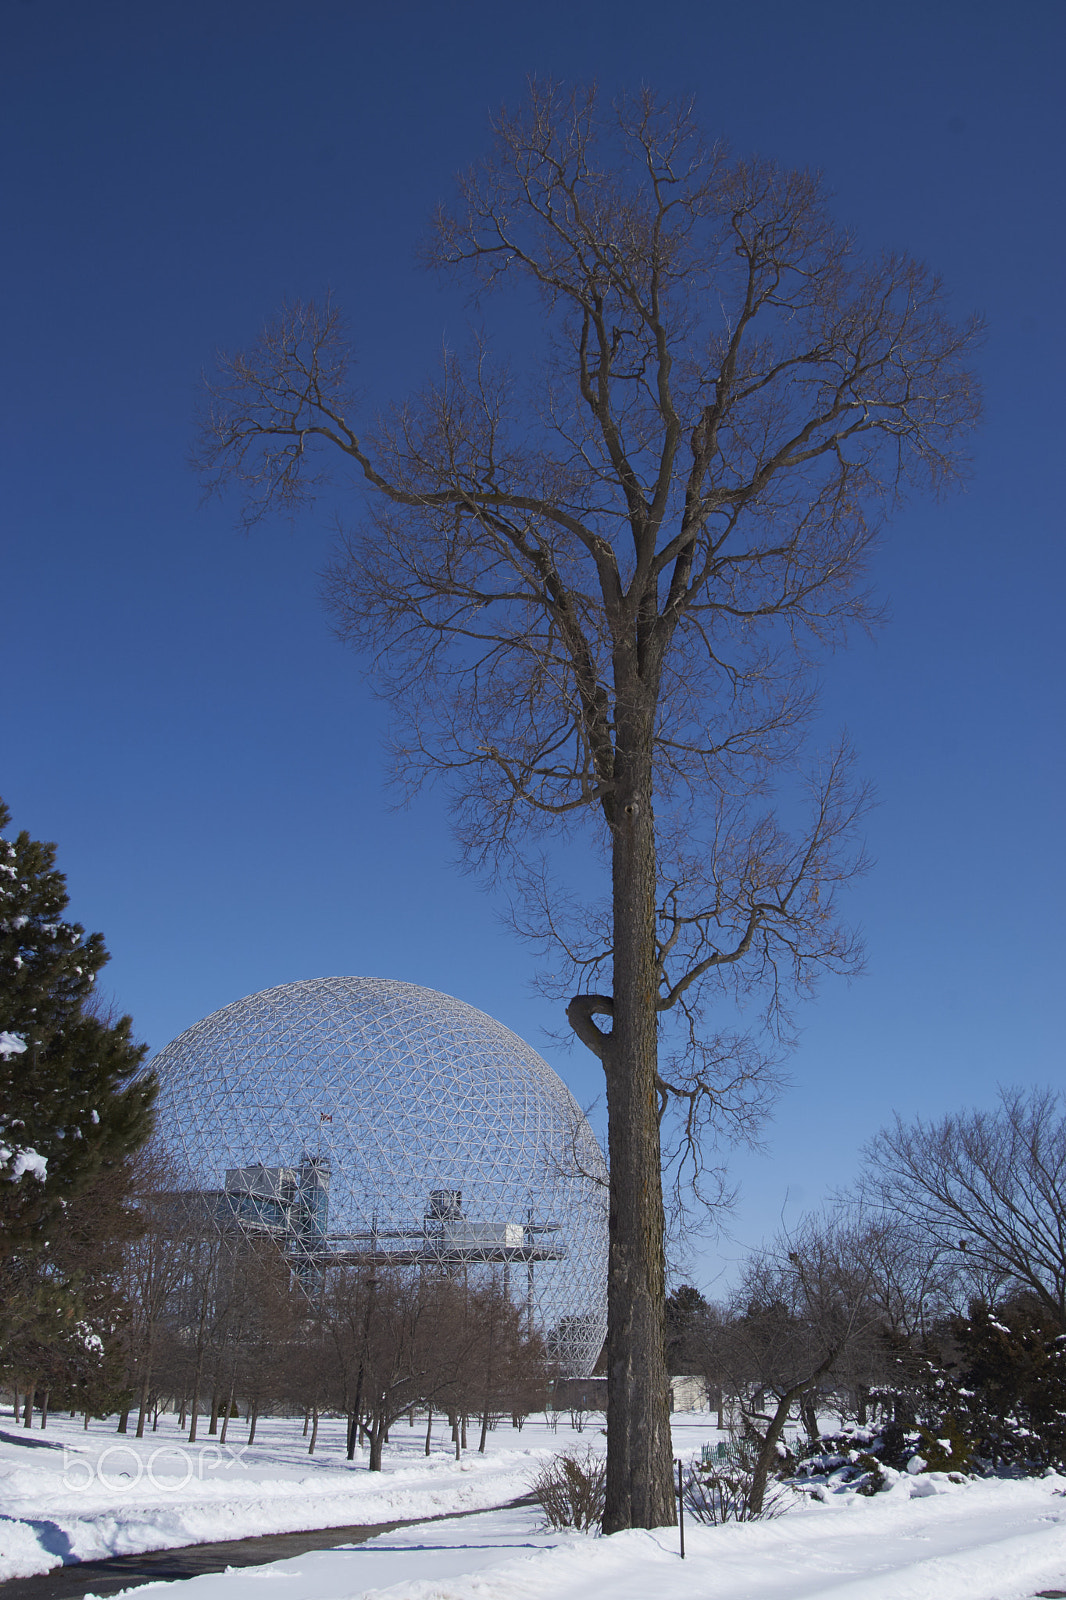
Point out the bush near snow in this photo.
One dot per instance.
(854, 1458)
(994, 1403)
(995, 1391)
(1010, 1386)
(571, 1490)
(722, 1488)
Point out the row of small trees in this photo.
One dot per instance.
(207, 1319)
(219, 1317)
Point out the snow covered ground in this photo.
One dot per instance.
(70, 1495)
(925, 1539)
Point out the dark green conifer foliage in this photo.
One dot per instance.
(1013, 1371)
(685, 1309)
(65, 1094)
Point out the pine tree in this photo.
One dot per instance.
(70, 1118)
(685, 1310)
(1013, 1383)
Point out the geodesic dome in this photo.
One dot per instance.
(362, 1120)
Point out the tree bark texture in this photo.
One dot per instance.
(378, 1435)
(639, 1449)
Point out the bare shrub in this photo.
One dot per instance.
(725, 1490)
(570, 1490)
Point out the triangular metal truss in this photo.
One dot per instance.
(366, 1120)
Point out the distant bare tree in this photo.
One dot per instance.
(345, 1319)
(914, 1281)
(595, 589)
(154, 1265)
(987, 1189)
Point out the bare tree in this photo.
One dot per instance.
(987, 1190)
(594, 592)
(805, 1316)
(153, 1269)
(916, 1284)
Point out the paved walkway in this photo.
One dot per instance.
(189, 1561)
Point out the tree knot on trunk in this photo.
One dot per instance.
(579, 1014)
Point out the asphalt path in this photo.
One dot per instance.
(80, 1578)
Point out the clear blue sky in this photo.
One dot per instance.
(176, 714)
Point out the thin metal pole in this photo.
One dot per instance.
(681, 1509)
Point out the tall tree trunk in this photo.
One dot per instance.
(200, 1356)
(31, 1387)
(429, 1427)
(44, 1411)
(142, 1412)
(378, 1435)
(194, 1406)
(253, 1418)
(229, 1403)
(124, 1420)
(640, 1491)
(357, 1405)
(314, 1431)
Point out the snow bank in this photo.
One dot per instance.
(972, 1542)
(83, 1496)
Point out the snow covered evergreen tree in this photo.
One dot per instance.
(1013, 1384)
(70, 1118)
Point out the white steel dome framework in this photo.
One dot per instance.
(362, 1121)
